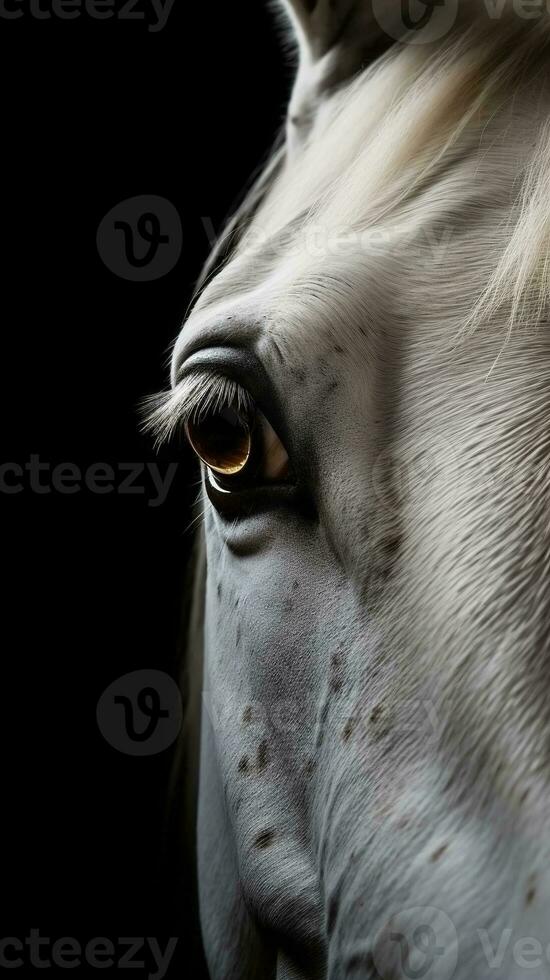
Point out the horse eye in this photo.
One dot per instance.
(222, 440)
(238, 447)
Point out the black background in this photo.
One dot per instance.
(93, 113)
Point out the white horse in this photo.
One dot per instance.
(365, 377)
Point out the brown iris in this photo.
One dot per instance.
(222, 439)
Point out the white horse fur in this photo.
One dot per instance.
(375, 749)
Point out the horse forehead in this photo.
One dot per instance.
(343, 266)
(353, 268)
(336, 282)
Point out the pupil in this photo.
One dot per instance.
(222, 440)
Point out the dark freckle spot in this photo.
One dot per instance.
(379, 722)
(439, 852)
(347, 730)
(295, 584)
(392, 546)
(219, 590)
(236, 603)
(336, 671)
(243, 764)
(332, 914)
(363, 331)
(247, 715)
(263, 756)
(531, 890)
(332, 386)
(264, 839)
(337, 349)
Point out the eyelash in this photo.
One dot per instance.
(194, 397)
